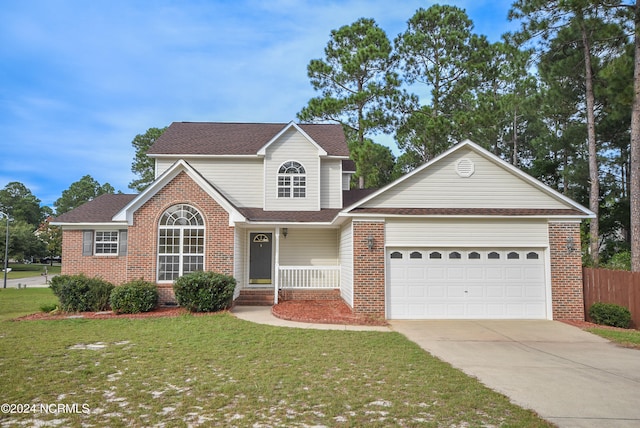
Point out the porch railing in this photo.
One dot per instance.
(307, 277)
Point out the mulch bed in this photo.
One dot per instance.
(322, 312)
(309, 311)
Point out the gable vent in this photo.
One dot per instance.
(465, 168)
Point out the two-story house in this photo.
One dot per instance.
(466, 235)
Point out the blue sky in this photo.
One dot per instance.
(79, 79)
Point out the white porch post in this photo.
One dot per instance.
(276, 274)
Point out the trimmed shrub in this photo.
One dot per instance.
(610, 314)
(79, 293)
(204, 291)
(134, 297)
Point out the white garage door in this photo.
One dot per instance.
(465, 284)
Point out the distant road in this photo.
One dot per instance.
(32, 281)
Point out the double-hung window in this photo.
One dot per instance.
(180, 242)
(292, 180)
(106, 242)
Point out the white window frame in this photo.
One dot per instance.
(100, 244)
(180, 219)
(291, 180)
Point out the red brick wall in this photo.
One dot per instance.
(368, 269)
(143, 239)
(566, 272)
(300, 294)
(110, 268)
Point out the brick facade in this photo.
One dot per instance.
(368, 268)
(110, 268)
(300, 294)
(141, 261)
(566, 271)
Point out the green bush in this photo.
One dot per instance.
(134, 297)
(610, 314)
(619, 261)
(204, 291)
(79, 293)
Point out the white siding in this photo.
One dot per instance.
(309, 247)
(490, 186)
(239, 179)
(467, 232)
(292, 146)
(330, 183)
(239, 246)
(346, 263)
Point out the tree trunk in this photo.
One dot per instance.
(634, 192)
(594, 177)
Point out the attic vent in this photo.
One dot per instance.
(465, 168)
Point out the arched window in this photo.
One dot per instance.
(292, 180)
(180, 242)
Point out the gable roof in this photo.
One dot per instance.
(126, 213)
(100, 210)
(429, 202)
(238, 139)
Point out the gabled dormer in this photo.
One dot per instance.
(268, 166)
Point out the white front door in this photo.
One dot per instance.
(454, 283)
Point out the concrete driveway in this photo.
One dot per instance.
(569, 377)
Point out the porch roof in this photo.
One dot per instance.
(258, 215)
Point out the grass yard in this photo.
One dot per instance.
(216, 370)
(626, 338)
(19, 270)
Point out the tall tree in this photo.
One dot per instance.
(19, 203)
(635, 144)
(143, 165)
(437, 51)
(543, 19)
(84, 190)
(357, 83)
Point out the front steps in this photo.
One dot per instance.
(255, 298)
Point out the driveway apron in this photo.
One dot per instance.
(569, 377)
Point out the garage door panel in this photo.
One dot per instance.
(416, 290)
(494, 291)
(454, 273)
(494, 273)
(466, 284)
(437, 291)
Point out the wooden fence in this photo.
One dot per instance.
(612, 286)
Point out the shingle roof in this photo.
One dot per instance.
(258, 214)
(219, 138)
(469, 211)
(100, 210)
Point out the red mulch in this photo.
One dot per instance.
(322, 312)
(586, 324)
(310, 311)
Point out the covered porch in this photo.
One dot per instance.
(288, 263)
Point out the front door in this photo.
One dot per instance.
(260, 258)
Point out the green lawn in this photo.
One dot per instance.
(216, 370)
(19, 270)
(626, 338)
